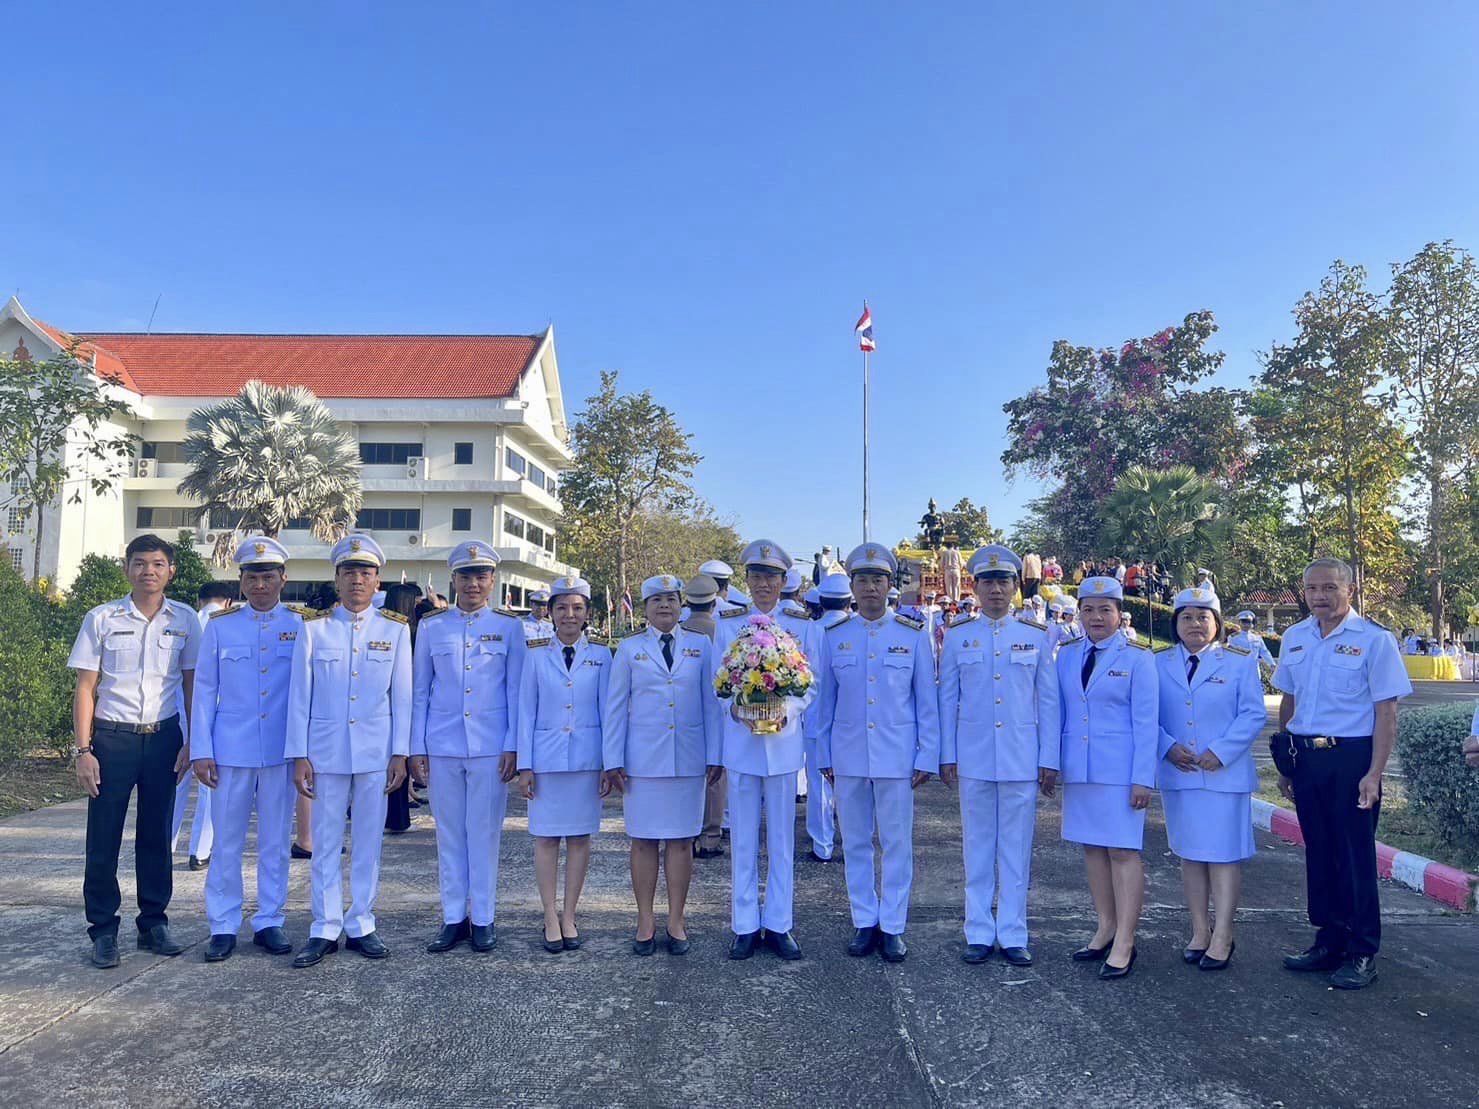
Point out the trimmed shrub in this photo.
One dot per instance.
(1441, 789)
(35, 684)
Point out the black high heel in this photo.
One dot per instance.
(1209, 963)
(553, 946)
(1109, 970)
(1093, 954)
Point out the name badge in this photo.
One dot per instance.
(1295, 650)
(379, 645)
(692, 652)
(1119, 673)
(1216, 681)
(185, 634)
(1023, 647)
(1348, 649)
(898, 650)
(286, 637)
(592, 662)
(493, 638)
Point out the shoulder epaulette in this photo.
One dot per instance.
(1075, 639)
(730, 613)
(1137, 645)
(542, 641)
(436, 612)
(227, 611)
(1236, 650)
(1031, 623)
(960, 618)
(909, 621)
(602, 641)
(839, 623)
(1168, 646)
(631, 632)
(316, 614)
(1378, 623)
(299, 610)
(506, 612)
(796, 611)
(391, 614)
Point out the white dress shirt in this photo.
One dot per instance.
(140, 662)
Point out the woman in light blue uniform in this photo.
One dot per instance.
(1109, 706)
(1211, 712)
(561, 698)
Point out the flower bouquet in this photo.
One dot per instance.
(760, 669)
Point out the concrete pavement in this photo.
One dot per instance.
(601, 1027)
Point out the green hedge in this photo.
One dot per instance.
(35, 684)
(1441, 789)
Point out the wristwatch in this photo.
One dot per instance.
(78, 752)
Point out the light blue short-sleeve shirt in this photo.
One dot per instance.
(1338, 679)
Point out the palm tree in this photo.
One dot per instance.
(269, 455)
(1167, 516)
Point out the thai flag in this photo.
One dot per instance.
(864, 329)
(626, 602)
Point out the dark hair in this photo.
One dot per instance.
(324, 597)
(402, 598)
(836, 604)
(146, 544)
(218, 591)
(1176, 616)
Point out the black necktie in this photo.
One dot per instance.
(667, 649)
(1091, 656)
(569, 657)
(1191, 668)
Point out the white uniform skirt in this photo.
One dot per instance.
(1208, 826)
(1100, 816)
(665, 808)
(565, 803)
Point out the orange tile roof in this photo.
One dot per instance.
(104, 362)
(375, 366)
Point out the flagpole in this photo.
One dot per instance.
(866, 535)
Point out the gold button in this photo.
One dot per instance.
(264, 716)
(996, 676)
(998, 700)
(569, 706)
(870, 700)
(354, 673)
(468, 666)
(670, 727)
(998, 654)
(567, 729)
(872, 655)
(351, 720)
(354, 697)
(1191, 723)
(1188, 702)
(264, 669)
(670, 704)
(569, 685)
(1086, 719)
(870, 725)
(468, 689)
(871, 678)
(264, 693)
(355, 650)
(262, 648)
(467, 714)
(998, 723)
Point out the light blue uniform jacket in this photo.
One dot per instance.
(1221, 711)
(1110, 731)
(559, 714)
(240, 712)
(467, 672)
(659, 723)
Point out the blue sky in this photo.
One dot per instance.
(701, 197)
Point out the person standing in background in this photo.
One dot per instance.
(1031, 575)
(214, 597)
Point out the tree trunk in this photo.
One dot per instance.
(621, 568)
(36, 551)
(1435, 547)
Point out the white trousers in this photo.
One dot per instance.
(364, 796)
(202, 830)
(468, 800)
(748, 794)
(997, 820)
(820, 805)
(888, 805)
(241, 789)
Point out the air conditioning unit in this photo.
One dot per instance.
(147, 467)
(416, 467)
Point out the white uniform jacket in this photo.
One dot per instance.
(240, 713)
(661, 723)
(467, 671)
(559, 715)
(1220, 711)
(1110, 731)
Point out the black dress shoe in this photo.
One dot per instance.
(1092, 954)
(862, 942)
(1017, 956)
(273, 940)
(553, 946)
(1193, 955)
(449, 937)
(314, 951)
(1356, 973)
(199, 864)
(645, 947)
(1209, 963)
(675, 945)
(297, 852)
(1318, 957)
(369, 945)
(157, 940)
(1109, 970)
(783, 944)
(484, 937)
(893, 949)
(220, 947)
(105, 952)
(976, 953)
(743, 945)
(571, 943)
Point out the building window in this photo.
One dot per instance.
(164, 517)
(17, 561)
(549, 485)
(299, 523)
(514, 461)
(537, 476)
(164, 452)
(462, 454)
(13, 521)
(388, 519)
(535, 534)
(388, 454)
(513, 525)
(549, 542)
(462, 519)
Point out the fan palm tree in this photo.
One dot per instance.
(1167, 516)
(269, 455)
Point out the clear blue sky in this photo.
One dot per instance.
(701, 197)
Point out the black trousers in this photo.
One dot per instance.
(398, 808)
(127, 760)
(1339, 847)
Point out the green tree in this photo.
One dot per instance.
(1167, 516)
(191, 571)
(36, 695)
(1433, 357)
(970, 523)
(56, 439)
(98, 581)
(269, 455)
(632, 461)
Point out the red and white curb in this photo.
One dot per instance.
(1451, 886)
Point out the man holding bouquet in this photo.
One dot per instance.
(762, 762)
(878, 739)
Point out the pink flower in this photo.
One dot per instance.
(769, 681)
(764, 640)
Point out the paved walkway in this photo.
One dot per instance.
(601, 1027)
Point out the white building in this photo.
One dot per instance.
(461, 437)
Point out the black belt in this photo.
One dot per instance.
(136, 729)
(1326, 742)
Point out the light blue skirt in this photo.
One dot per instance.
(1207, 826)
(566, 803)
(1100, 816)
(664, 808)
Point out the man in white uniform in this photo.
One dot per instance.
(538, 625)
(214, 596)
(468, 663)
(238, 730)
(349, 730)
(721, 572)
(835, 595)
(1247, 637)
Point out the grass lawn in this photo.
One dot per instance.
(1400, 826)
(36, 781)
